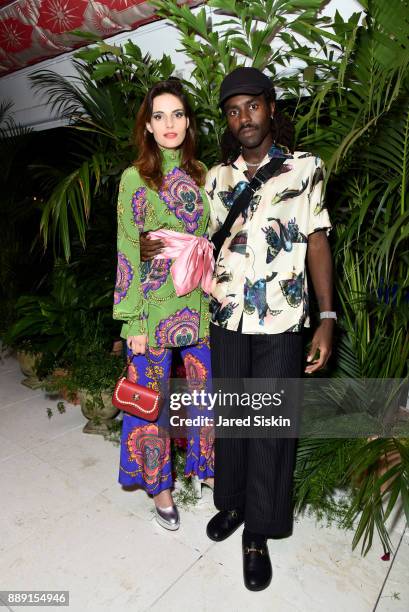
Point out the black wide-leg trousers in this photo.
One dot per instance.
(256, 474)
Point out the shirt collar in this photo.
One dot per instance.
(171, 157)
(274, 151)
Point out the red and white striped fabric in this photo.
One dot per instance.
(33, 30)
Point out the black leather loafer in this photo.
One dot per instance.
(223, 524)
(257, 570)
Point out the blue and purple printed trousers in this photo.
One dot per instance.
(145, 458)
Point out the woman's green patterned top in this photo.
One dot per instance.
(145, 297)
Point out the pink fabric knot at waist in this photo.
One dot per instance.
(194, 262)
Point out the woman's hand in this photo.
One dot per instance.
(149, 248)
(137, 344)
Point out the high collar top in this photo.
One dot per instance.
(171, 158)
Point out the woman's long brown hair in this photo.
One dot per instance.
(149, 160)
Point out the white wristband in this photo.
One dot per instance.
(328, 314)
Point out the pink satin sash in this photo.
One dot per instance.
(193, 255)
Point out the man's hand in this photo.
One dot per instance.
(320, 267)
(137, 344)
(149, 248)
(322, 341)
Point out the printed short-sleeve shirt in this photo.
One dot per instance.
(260, 273)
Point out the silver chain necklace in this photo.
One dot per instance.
(254, 165)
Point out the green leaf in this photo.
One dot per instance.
(107, 69)
(86, 35)
(89, 55)
(240, 45)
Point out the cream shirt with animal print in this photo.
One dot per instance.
(261, 269)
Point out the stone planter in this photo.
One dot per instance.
(27, 365)
(100, 413)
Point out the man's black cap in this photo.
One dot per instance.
(244, 80)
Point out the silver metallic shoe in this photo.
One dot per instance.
(168, 518)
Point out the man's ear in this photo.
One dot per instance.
(272, 109)
(149, 127)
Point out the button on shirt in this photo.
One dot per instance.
(261, 269)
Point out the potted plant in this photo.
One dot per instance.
(28, 357)
(94, 377)
(40, 332)
(59, 382)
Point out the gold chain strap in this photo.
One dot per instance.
(152, 365)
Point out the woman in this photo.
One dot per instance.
(163, 190)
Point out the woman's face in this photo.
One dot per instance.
(168, 123)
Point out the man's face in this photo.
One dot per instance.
(249, 118)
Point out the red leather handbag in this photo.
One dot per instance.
(134, 399)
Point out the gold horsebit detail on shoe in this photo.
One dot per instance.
(248, 550)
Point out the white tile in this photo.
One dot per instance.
(209, 585)
(92, 461)
(106, 557)
(66, 523)
(193, 522)
(8, 448)
(26, 423)
(34, 494)
(8, 363)
(312, 568)
(11, 389)
(87, 457)
(395, 594)
(397, 520)
(132, 500)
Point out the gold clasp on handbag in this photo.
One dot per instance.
(136, 396)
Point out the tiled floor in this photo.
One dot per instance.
(67, 524)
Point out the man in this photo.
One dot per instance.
(259, 305)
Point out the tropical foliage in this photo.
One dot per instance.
(358, 121)
(19, 214)
(101, 105)
(66, 316)
(346, 86)
(355, 117)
